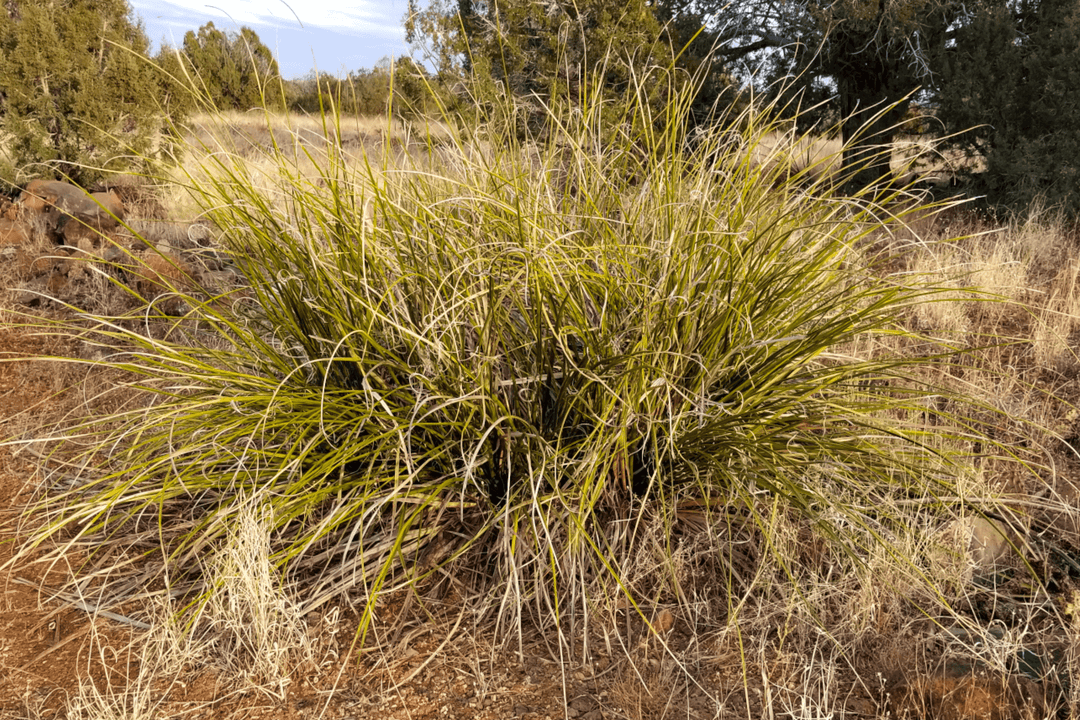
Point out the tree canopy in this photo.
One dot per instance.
(235, 71)
(1009, 68)
(77, 93)
(531, 48)
(401, 87)
(1009, 91)
(873, 54)
(866, 60)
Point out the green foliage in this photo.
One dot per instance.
(415, 92)
(176, 94)
(687, 31)
(856, 61)
(1010, 88)
(401, 88)
(233, 71)
(514, 360)
(305, 94)
(529, 49)
(78, 96)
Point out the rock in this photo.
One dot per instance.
(860, 707)
(989, 545)
(157, 274)
(28, 298)
(141, 197)
(57, 282)
(15, 237)
(47, 265)
(583, 704)
(71, 212)
(161, 272)
(984, 547)
(114, 255)
(8, 210)
(180, 235)
(221, 281)
(62, 271)
(14, 232)
(210, 259)
(664, 621)
(85, 246)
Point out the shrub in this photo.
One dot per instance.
(233, 71)
(522, 362)
(77, 95)
(401, 87)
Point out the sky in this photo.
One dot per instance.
(336, 35)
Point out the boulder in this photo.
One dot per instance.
(14, 233)
(139, 198)
(8, 210)
(15, 237)
(991, 545)
(177, 235)
(70, 211)
(159, 274)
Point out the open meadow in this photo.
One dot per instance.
(357, 418)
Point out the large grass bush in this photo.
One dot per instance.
(536, 371)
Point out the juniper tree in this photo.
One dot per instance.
(528, 48)
(866, 60)
(77, 93)
(236, 71)
(1010, 89)
(869, 56)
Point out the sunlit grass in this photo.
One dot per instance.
(531, 368)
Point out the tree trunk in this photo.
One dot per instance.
(871, 110)
(874, 78)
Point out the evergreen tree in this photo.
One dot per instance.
(527, 48)
(866, 58)
(175, 81)
(312, 92)
(870, 56)
(236, 71)
(1010, 88)
(368, 92)
(688, 34)
(77, 92)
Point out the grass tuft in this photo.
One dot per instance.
(545, 374)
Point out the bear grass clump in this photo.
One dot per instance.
(510, 364)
